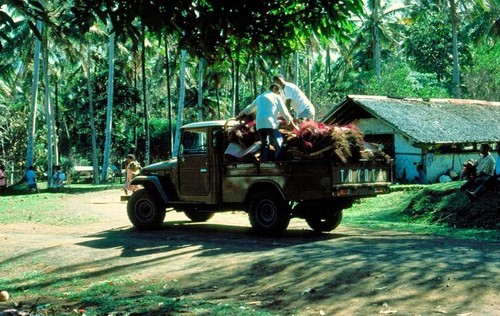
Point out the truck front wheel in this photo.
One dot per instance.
(145, 211)
(324, 221)
(268, 213)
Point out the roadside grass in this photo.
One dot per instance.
(438, 209)
(19, 206)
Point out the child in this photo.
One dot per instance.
(31, 179)
(58, 178)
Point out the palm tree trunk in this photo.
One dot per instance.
(109, 110)
(237, 88)
(48, 115)
(376, 39)
(456, 70)
(144, 97)
(296, 68)
(34, 95)
(169, 98)
(95, 161)
(180, 107)
(200, 89)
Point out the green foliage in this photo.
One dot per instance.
(429, 46)
(482, 78)
(400, 81)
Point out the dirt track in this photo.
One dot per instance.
(347, 272)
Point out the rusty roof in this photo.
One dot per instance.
(425, 121)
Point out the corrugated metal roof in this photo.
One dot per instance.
(426, 121)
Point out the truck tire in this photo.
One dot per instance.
(324, 221)
(197, 216)
(268, 213)
(145, 211)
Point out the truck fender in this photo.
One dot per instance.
(265, 186)
(151, 183)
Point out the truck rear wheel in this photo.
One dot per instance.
(199, 216)
(145, 211)
(268, 213)
(324, 221)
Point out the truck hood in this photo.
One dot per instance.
(160, 167)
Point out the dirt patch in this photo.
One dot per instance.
(347, 272)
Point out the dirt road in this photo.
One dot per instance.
(347, 272)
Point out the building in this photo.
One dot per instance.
(436, 135)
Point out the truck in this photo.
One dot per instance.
(200, 182)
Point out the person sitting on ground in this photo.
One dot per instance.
(468, 170)
(489, 183)
(295, 99)
(485, 168)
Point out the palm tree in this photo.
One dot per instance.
(109, 108)
(180, 107)
(34, 96)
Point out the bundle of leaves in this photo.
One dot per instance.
(313, 140)
(445, 204)
(316, 140)
(244, 133)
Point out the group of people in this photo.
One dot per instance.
(58, 178)
(280, 97)
(486, 175)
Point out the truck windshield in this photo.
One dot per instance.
(194, 142)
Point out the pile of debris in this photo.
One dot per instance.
(313, 140)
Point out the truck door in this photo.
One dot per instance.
(194, 173)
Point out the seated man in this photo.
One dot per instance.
(490, 182)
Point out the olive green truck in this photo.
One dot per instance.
(201, 182)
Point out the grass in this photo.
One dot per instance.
(119, 296)
(433, 209)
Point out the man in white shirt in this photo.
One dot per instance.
(295, 99)
(490, 181)
(267, 106)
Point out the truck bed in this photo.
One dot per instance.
(308, 179)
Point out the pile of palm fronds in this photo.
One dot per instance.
(313, 140)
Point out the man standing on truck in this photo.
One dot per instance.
(296, 99)
(267, 106)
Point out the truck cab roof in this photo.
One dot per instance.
(218, 123)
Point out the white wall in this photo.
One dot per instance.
(406, 156)
(406, 160)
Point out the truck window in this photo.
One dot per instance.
(194, 142)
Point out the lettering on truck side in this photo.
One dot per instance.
(361, 175)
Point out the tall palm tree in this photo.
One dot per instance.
(180, 106)
(34, 97)
(109, 108)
